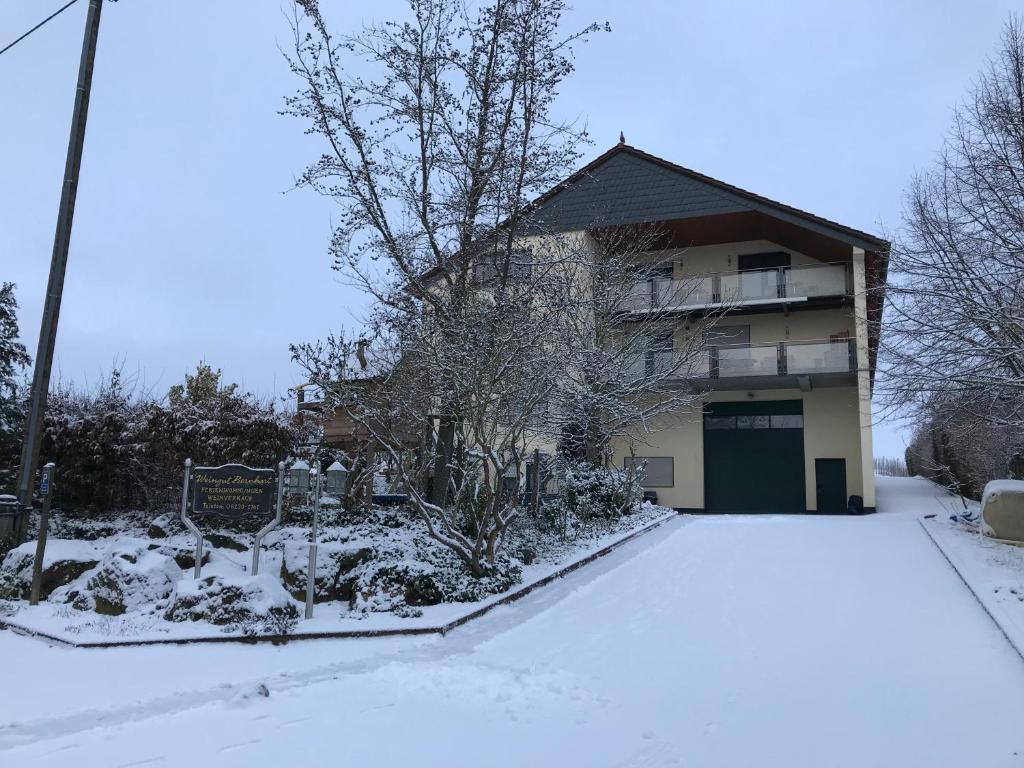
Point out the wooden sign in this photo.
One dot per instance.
(233, 491)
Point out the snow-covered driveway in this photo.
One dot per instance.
(777, 641)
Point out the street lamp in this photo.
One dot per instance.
(298, 477)
(337, 479)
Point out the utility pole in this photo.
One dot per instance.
(58, 266)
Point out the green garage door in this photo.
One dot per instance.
(754, 457)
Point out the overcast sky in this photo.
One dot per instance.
(188, 243)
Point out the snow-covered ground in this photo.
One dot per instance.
(734, 641)
(993, 570)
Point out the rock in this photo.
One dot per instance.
(163, 526)
(254, 604)
(223, 541)
(185, 557)
(64, 561)
(335, 579)
(1002, 510)
(128, 577)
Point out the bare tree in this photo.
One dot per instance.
(955, 314)
(432, 158)
(491, 330)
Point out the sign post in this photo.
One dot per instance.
(46, 491)
(272, 524)
(234, 492)
(311, 570)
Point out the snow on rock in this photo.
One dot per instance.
(253, 604)
(335, 564)
(64, 561)
(184, 556)
(130, 576)
(164, 525)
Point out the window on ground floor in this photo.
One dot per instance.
(657, 471)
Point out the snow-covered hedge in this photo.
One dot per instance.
(116, 449)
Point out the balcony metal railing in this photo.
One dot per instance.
(792, 358)
(805, 281)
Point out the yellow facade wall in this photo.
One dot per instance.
(831, 431)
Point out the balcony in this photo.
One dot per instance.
(792, 364)
(784, 285)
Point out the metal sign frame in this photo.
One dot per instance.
(194, 529)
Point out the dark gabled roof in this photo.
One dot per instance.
(626, 185)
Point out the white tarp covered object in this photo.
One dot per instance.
(1002, 510)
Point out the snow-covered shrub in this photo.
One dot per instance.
(63, 562)
(335, 564)
(388, 562)
(590, 495)
(129, 577)
(390, 584)
(252, 604)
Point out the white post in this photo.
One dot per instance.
(311, 570)
(188, 523)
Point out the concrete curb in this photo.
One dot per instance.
(951, 559)
(346, 634)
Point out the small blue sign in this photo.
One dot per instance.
(44, 482)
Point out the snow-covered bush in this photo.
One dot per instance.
(383, 559)
(252, 604)
(591, 495)
(335, 565)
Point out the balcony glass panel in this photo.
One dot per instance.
(638, 298)
(750, 286)
(668, 364)
(818, 357)
(814, 280)
(693, 291)
(762, 360)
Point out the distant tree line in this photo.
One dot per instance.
(890, 466)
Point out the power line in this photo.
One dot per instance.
(37, 26)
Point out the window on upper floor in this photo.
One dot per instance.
(746, 262)
(520, 266)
